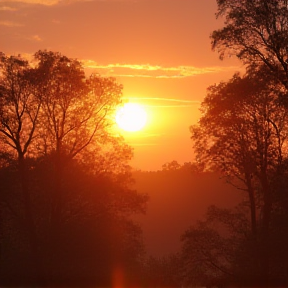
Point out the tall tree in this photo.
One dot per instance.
(76, 109)
(19, 112)
(243, 132)
(257, 32)
(76, 112)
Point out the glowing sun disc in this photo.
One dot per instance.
(131, 117)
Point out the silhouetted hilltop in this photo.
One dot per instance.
(178, 198)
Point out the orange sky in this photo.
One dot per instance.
(158, 49)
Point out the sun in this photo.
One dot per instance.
(131, 117)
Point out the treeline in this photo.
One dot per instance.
(65, 198)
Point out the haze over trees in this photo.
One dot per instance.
(178, 198)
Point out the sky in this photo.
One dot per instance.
(158, 49)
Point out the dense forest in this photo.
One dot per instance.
(69, 204)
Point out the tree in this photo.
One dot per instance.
(75, 112)
(256, 32)
(217, 252)
(19, 111)
(171, 166)
(74, 172)
(188, 166)
(75, 109)
(19, 105)
(243, 132)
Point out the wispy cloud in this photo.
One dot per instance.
(41, 2)
(153, 71)
(7, 8)
(163, 102)
(65, 2)
(144, 144)
(36, 38)
(33, 38)
(10, 24)
(164, 99)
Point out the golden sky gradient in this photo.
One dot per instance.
(158, 49)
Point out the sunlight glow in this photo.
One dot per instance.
(131, 117)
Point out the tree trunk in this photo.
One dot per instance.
(267, 206)
(55, 240)
(37, 276)
(252, 205)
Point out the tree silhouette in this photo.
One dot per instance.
(65, 171)
(19, 111)
(243, 132)
(75, 113)
(256, 32)
(216, 251)
(173, 165)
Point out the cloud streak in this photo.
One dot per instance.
(141, 70)
(59, 2)
(164, 102)
(7, 8)
(153, 71)
(10, 24)
(165, 99)
(144, 144)
(36, 38)
(38, 2)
